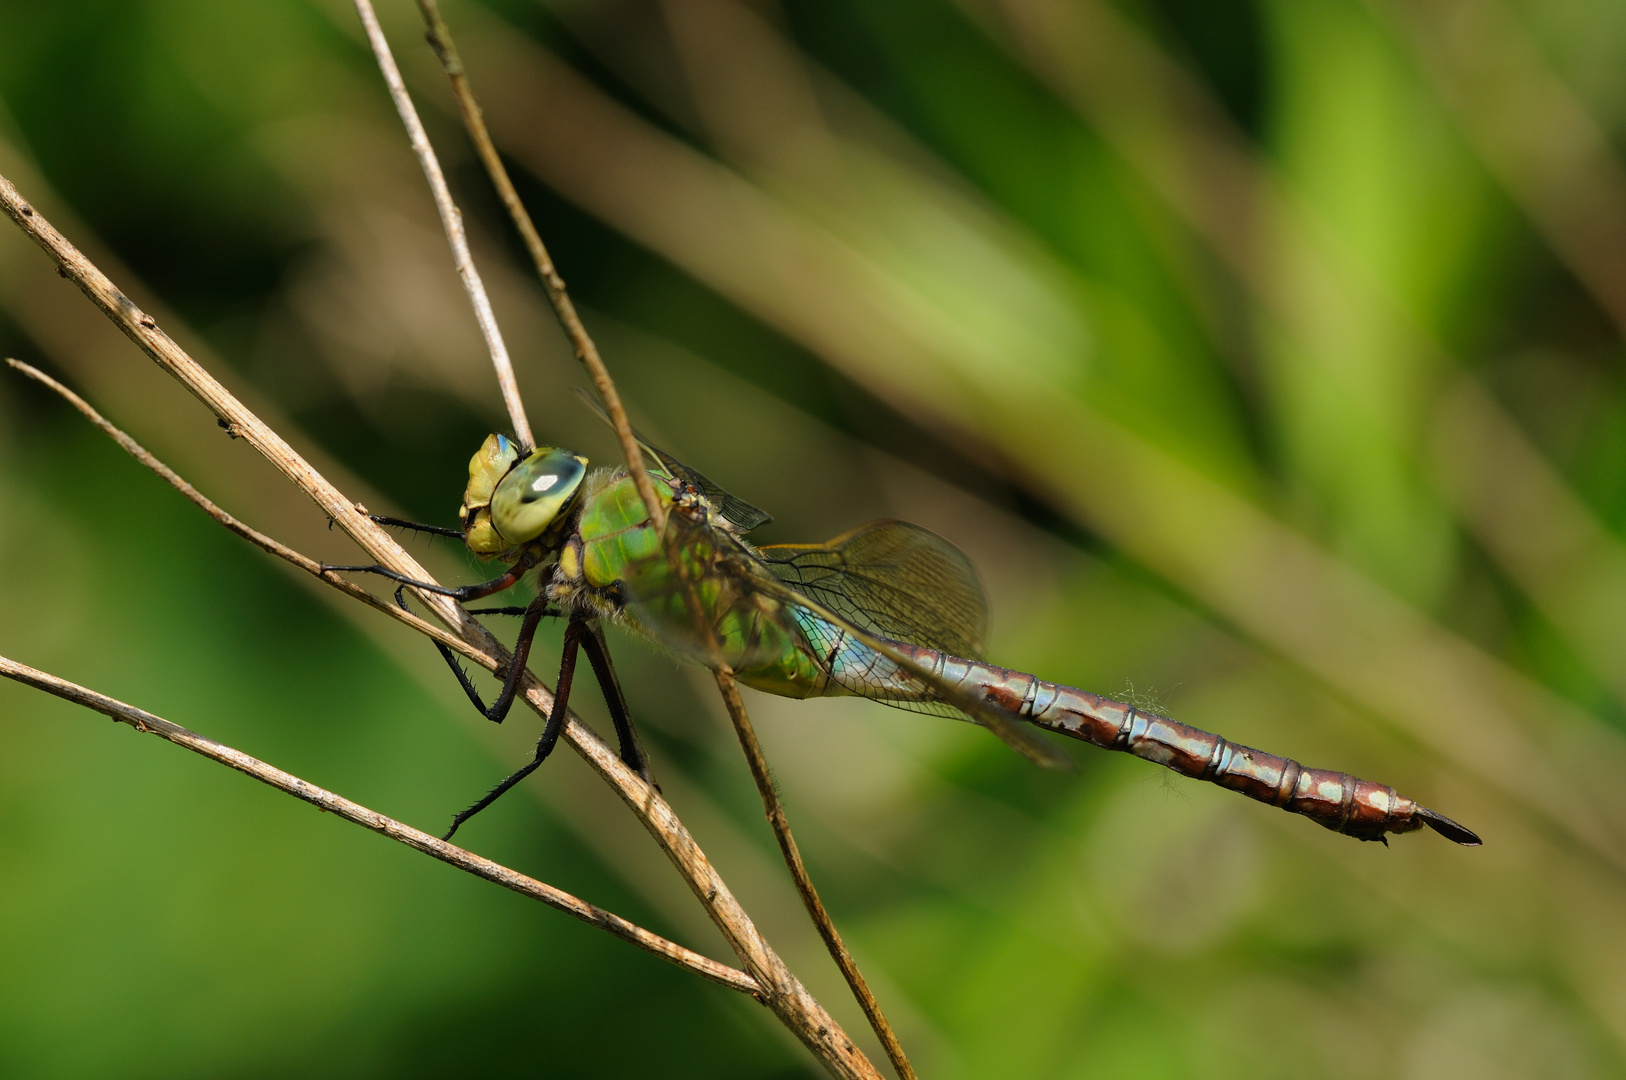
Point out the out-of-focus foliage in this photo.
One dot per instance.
(1265, 357)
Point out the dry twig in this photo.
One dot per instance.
(357, 814)
(439, 848)
(452, 219)
(775, 811)
(778, 987)
(247, 532)
(440, 40)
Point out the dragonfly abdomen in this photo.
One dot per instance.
(1336, 800)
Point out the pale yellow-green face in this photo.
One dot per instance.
(510, 502)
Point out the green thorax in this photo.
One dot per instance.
(622, 553)
(615, 530)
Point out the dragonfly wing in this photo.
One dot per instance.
(895, 580)
(721, 604)
(739, 513)
(736, 511)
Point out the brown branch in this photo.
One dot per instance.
(775, 810)
(248, 532)
(779, 989)
(440, 40)
(357, 814)
(448, 853)
(452, 219)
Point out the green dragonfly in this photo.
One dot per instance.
(888, 611)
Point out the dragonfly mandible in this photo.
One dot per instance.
(889, 611)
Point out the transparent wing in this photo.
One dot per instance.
(895, 580)
(739, 513)
(726, 607)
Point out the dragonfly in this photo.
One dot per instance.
(889, 611)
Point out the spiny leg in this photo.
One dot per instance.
(632, 747)
(522, 652)
(403, 523)
(522, 649)
(415, 526)
(450, 658)
(462, 594)
(550, 733)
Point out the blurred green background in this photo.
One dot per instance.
(1264, 356)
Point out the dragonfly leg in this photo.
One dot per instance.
(415, 526)
(522, 652)
(522, 648)
(450, 658)
(550, 733)
(461, 594)
(632, 747)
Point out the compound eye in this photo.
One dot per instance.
(487, 467)
(534, 491)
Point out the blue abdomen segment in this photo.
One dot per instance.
(846, 665)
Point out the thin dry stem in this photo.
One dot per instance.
(357, 814)
(780, 990)
(440, 39)
(445, 48)
(452, 219)
(774, 808)
(248, 532)
(684, 573)
(448, 853)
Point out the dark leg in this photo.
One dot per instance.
(534, 614)
(450, 658)
(494, 610)
(550, 733)
(522, 653)
(462, 594)
(416, 526)
(632, 748)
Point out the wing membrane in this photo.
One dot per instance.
(895, 580)
(760, 617)
(739, 513)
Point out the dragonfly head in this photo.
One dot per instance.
(511, 501)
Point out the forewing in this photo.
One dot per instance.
(739, 513)
(893, 579)
(722, 605)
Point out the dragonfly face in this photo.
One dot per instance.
(511, 501)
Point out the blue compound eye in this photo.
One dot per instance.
(534, 491)
(493, 461)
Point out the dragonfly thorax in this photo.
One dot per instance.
(511, 501)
